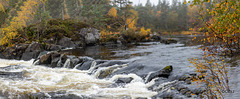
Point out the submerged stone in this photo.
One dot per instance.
(124, 80)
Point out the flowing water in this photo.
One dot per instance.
(22, 79)
(70, 81)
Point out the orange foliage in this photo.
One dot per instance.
(132, 20)
(109, 36)
(112, 12)
(144, 32)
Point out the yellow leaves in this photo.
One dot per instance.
(2, 8)
(185, 2)
(109, 36)
(18, 22)
(112, 12)
(144, 32)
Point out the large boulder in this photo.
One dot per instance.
(32, 51)
(84, 63)
(50, 59)
(124, 80)
(66, 42)
(91, 35)
(168, 41)
(155, 38)
(14, 52)
(165, 72)
(35, 46)
(104, 72)
(53, 47)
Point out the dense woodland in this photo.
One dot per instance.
(109, 16)
(218, 20)
(163, 16)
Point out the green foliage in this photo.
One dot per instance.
(54, 28)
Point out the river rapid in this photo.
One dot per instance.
(23, 79)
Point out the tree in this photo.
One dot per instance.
(24, 16)
(127, 12)
(222, 37)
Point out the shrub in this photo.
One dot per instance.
(107, 36)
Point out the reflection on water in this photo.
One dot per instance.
(109, 52)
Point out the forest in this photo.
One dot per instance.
(107, 16)
(50, 25)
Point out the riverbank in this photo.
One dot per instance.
(142, 61)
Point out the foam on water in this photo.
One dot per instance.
(43, 79)
(4, 62)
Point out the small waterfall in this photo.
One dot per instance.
(103, 72)
(36, 62)
(135, 77)
(147, 77)
(67, 63)
(59, 63)
(165, 86)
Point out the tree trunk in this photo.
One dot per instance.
(63, 14)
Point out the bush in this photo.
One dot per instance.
(107, 36)
(54, 28)
(133, 36)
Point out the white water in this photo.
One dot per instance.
(43, 79)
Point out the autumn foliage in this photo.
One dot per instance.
(221, 38)
(24, 16)
(112, 12)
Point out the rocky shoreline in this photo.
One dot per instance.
(49, 54)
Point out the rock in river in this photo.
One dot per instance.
(165, 72)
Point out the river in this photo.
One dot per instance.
(43, 82)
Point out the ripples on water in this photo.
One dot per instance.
(72, 81)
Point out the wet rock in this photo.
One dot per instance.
(14, 52)
(156, 38)
(2, 56)
(167, 95)
(165, 72)
(141, 98)
(45, 59)
(135, 68)
(188, 81)
(198, 91)
(168, 41)
(85, 65)
(158, 82)
(100, 61)
(32, 51)
(55, 57)
(66, 42)
(53, 95)
(35, 47)
(42, 53)
(29, 55)
(106, 71)
(53, 47)
(124, 80)
(104, 63)
(91, 35)
(112, 62)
